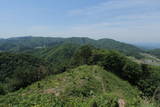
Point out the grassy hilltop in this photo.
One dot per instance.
(82, 86)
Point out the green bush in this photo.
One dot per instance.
(2, 91)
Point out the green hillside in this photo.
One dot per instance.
(84, 86)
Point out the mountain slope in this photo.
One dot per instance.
(120, 46)
(155, 52)
(58, 54)
(82, 86)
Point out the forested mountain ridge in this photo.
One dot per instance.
(30, 43)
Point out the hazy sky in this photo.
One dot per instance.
(124, 20)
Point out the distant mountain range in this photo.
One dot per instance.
(148, 45)
(29, 43)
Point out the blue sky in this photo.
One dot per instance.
(124, 20)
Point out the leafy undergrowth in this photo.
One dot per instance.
(85, 86)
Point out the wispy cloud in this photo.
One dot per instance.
(117, 5)
(119, 10)
(131, 20)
